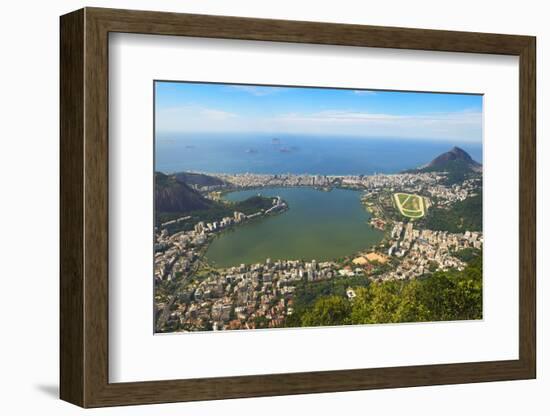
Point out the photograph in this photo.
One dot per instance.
(296, 206)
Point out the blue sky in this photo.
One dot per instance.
(218, 108)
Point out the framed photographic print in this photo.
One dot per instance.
(255, 207)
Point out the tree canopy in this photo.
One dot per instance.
(443, 296)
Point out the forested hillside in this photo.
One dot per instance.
(443, 296)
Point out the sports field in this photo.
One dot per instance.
(410, 205)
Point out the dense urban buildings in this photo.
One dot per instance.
(301, 206)
(195, 295)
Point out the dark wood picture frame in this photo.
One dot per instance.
(84, 207)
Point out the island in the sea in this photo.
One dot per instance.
(249, 250)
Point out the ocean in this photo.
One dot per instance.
(277, 154)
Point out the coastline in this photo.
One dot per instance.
(396, 256)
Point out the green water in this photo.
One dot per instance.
(319, 225)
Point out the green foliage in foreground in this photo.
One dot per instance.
(328, 310)
(307, 292)
(443, 296)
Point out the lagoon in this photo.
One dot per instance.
(320, 225)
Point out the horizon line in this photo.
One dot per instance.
(312, 135)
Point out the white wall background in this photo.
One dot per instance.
(29, 206)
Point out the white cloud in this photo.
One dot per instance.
(364, 92)
(348, 116)
(462, 126)
(214, 114)
(257, 91)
